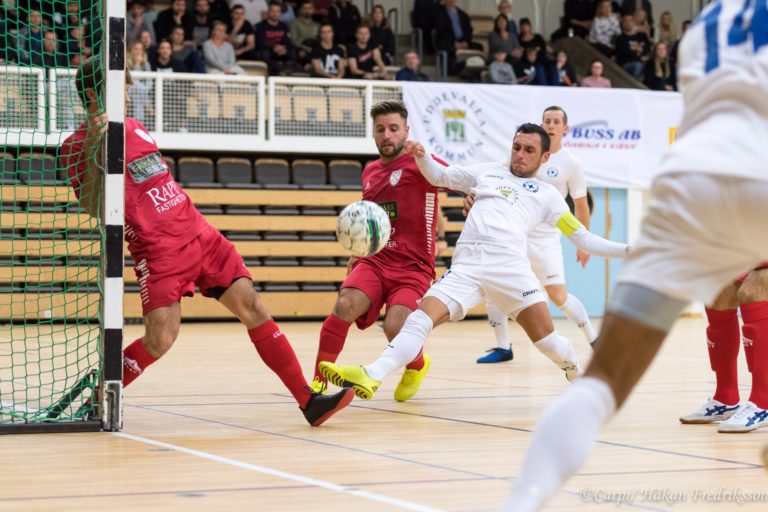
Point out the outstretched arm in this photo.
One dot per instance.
(589, 242)
(453, 177)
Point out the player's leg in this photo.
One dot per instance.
(161, 328)
(723, 339)
(537, 324)
(500, 324)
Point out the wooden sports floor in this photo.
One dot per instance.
(209, 428)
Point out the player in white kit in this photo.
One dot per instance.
(490, 260)
(705, 224)
(563, 170)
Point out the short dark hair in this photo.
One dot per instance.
(237, 6)
(525, 21)
(389, 107)
(530, 128)
(89, 76)
(555, 108)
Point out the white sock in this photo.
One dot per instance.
(575, 311)
(563, 439)
(404, 347)
(560, 351)
(499, 321)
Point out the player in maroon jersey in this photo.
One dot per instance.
(403, 271)
(174, 249)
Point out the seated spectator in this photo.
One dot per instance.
(562, 72)
(163, 62)
(77, 48)
(659, 73)
(345, 18)
(425, 14)
(577, 19)
(605, 28)
(528, 39)
(505, 9)
(531, 70)
(632, 48)
(273, 42)
(30, 37)
(176, 14)
(411, 71)
(137, 58)
(454, 32)
(146, 40)
(364, 58)
(201, 28)
(303, 33)
(676, 45)
(382, 36)
(241, 35)
(135, 23)
(219, 10)
(7, 46)
(630, 7)
(501, 71)
(139, 92)
(255, 10)
(51, 56)
(641, 23)
(328, 58)
(321, 9)
(185, 51)
(502, 38)
(667, 32)
(595, 77)
(219, 55)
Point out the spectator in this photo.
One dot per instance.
(528, 39)
(595, 77)
(30, 37)
(176, 14)
(562, 72)
(676, 45)
(454, 32)
(505, 9)
(137, 58)
(303, 33)
(163, 61)
(531, 70)
(667, 31)
(288, 14)
(75, 46)
(502, 38)
(255, 10)
(382, 36)
(641, 23)
(51, 57)
(321, 9)
(345, 18)
(219, 55)
(7, 46)
(328, 58)
(364, 58)
(273, 42)
(632, 48)
(411, 71)
(425, 13)
(135, 23)
(630, 7)
(201, 29)
(139, 92)
(241, 37)
(219, 10)
(659, 73)
(185, 51)
(605, 28)
(501, 71)
(578, 16)
(145, 38)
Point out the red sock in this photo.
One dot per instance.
(755, 331)
(277, 353)
(723, 345)
(333, 334)
(418, 361)
(135, 361)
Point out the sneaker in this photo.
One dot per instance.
(321, 407)
(572, 371)
(411, 381)
(497, 355)
(712, 410)
(749, 417)
(319, 386)
(351, 376)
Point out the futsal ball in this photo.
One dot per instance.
(363, 228)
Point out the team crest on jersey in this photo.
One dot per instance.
(552, 172)
(531, 187)
(394, 178)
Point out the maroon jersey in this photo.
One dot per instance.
(411, 202)
(159, 217)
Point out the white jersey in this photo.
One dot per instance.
(723, 75)
(506, 207)
(564, 172)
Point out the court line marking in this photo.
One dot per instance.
(405, 505)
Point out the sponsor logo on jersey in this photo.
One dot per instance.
(552, 172)
(531, 187)
(145, 167)
(394, 178)
(391, 208)
(531, 292)
(166, 197)
(455, 124)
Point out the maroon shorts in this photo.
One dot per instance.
(761, 266)
(210, 261)
(390, 286)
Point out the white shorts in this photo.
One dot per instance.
(546, 256)
(488, 272)
(700, 233)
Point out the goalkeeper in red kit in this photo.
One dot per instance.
(175, 249)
